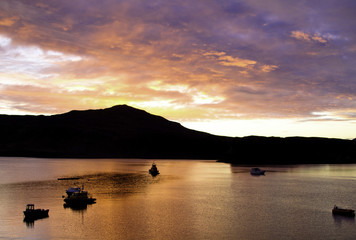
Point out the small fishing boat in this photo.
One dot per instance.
(32, 214)
(343, 211)
(153, 170)
(256, 171)
(77, 196)
(81, 197)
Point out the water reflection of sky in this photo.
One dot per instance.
(188, 200)
(344, 171)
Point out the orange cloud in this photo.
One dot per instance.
(231, 61)
(8, 22)
(268, 68)
(300, 35)
(308, 37)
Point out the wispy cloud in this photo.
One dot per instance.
(316, 37)
(227, 60)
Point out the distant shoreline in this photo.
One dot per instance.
(125, 132)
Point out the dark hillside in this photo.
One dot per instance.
(120, 131)
(125, 132)
(291, 150)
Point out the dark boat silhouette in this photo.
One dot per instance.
(68, 178)
(256, 171)
(32, 214)
(77, 196)
(153, 170)
(343, 211)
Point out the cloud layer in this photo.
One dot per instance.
(186, 60)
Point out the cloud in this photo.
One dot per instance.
(251, 59)
(8, 22)
(231, 61)
(237, 62)
(30, 60)
(308, 37)
(269, 68)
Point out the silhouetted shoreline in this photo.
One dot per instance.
(291, 150)
(125, 132)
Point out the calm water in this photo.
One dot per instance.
(188, 200)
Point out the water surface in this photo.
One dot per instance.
(188, 200)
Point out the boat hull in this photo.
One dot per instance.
(153, 173)
(79, 201)
(344, 212)
(257, 172)
(77, 197)
(36, 214)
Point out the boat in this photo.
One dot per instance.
(68, 178)
(153, 170)
(77, 196)
(72, 190)
(32, 214)
(343, 211)
(256, 171)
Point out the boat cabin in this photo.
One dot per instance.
(30, 207)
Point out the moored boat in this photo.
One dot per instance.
(343, 211)
(77, 196)
(32, 214)
(153, 170)
(256, 171)
(81, 197)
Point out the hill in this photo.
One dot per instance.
(125, 132)
(291, 150)
(116, 132)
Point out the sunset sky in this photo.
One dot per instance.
(237, 68)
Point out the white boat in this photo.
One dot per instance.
(256, 171)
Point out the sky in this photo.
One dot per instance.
(227, 67)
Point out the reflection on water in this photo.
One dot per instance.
(77, 207)
(187, 200)
(344, 221)
(30, 223)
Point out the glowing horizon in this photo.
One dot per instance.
(233, 68)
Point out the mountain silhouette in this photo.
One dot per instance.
(126, 132)
(118, 132)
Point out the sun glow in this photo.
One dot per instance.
(248, 63)
(203, 98)
(159, 85)
(269, 127)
